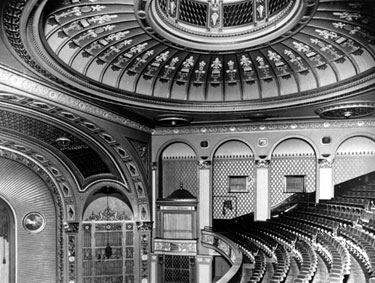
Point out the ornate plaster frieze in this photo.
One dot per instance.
(14, 80)
(267, 126)
(183, 247)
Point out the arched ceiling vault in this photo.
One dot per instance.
(209, 60)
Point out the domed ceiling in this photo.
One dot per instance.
(198, 55)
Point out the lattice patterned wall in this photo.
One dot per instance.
(180, 171)
(347, 167)
(290, 166)
(242, 203)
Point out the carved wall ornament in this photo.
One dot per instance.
(108, 214)
(262, 142)
(71, 227)
(144, 226)
(262, 163)
(34, 222)
(204, 164)
(325, 162)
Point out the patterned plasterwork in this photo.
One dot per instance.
(87, 127)
(108, 49)
(266, 126)
(14, 80)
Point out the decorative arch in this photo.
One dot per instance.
(178, 169)
(296, 137)
(60, 188)
(354, 156)
(292, 157)
(351, 136)
(35, 191)
(221, 142)
(110, 234)
(233, 179)
(115, 189)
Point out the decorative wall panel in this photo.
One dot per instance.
(281, 166)
(347, 167)
(108, 251)
(229, 205)
(180, 172)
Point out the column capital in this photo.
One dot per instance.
(154, 165)
(262, 163)
(204, 164)
(325, 162)
(71, 227)
(144, 226)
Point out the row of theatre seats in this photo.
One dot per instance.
(336, 231)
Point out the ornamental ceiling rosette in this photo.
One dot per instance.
(172, 54)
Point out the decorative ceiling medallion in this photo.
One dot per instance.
(222, 24)
(168, 120)
(347, 110)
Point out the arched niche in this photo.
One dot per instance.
(7, 243)
(354, 157)
(109, 237)
(233, 180)
(293, 161)
(107, 196)
(178, 170)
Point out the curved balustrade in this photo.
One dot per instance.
(226, 248)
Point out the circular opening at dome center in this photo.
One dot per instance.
(223, 24)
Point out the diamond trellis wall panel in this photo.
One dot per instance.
(228, 205)
(347, 167)
(180, 172)
(290, 166)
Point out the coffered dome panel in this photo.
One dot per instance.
(172, 54)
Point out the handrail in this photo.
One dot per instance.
(226, 248)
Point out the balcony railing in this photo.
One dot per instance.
(226, 248)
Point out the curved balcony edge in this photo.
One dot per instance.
(226, 248)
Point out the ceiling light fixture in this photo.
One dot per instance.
(63, 142)
(173, 120)
(347, 110)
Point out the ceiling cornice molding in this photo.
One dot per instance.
(13, 79)
(267, 126)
